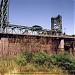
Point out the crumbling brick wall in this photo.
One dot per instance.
(4, 46)
(17, 44)
(20, 44)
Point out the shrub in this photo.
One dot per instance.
(41, 59)
(25, 58)
(65, 61)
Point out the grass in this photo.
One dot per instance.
(37, 64)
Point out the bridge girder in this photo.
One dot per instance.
(5, 27)
(4, 8)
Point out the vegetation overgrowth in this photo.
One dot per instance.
(29, 62)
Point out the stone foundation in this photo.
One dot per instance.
(16, 44)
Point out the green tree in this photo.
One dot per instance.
(36, 28)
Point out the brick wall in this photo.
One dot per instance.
(4, 46)
(17, 44)
(29, 43)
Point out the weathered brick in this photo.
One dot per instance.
(15, 45)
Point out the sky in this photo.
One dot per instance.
(74, 16)
(39, 12)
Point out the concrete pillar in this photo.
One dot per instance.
(61, 46)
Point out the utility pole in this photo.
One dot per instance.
(64, 30)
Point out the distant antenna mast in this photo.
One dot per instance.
(65, 30)
(4, 15)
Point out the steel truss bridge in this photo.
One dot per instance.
(20, 29)
(6, 27)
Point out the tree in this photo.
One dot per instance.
(36, 28)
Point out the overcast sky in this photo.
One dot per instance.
(39, 12)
